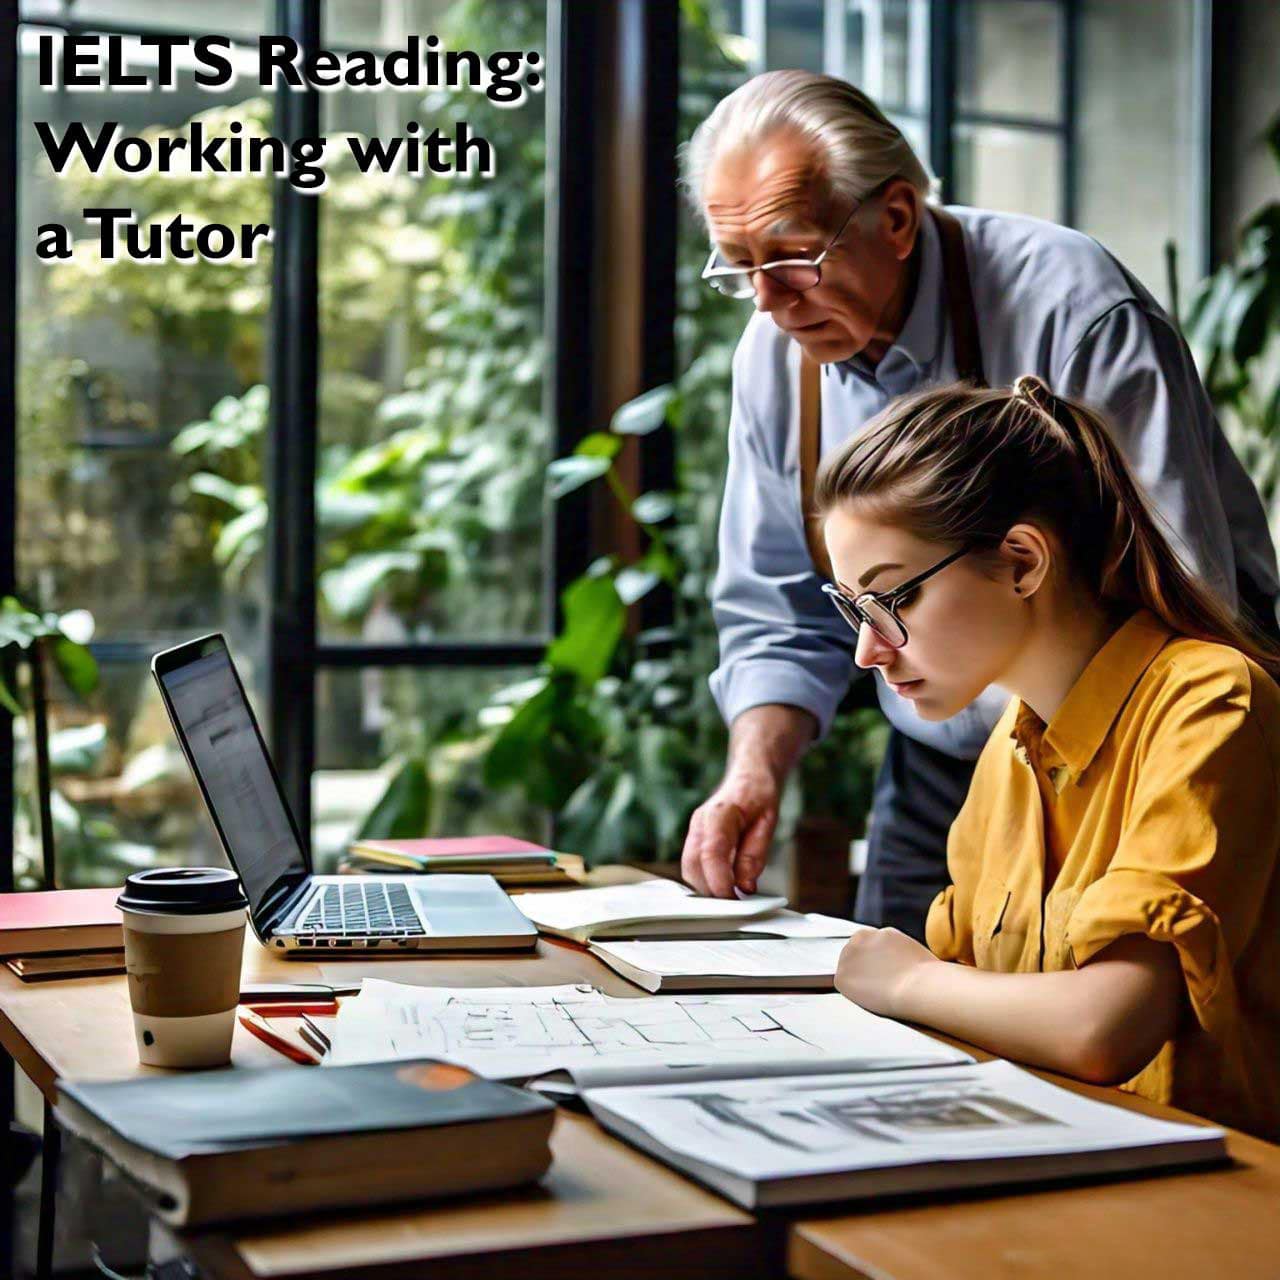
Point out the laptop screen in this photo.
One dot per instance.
(231, 765)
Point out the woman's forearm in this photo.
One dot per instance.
(1102, 1023)
(1035, 1018)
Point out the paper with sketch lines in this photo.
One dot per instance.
(519, 1033)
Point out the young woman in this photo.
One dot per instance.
(1115, 906)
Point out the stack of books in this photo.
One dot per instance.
(62, 933)
(513, 863)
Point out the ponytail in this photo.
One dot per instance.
(959, 464)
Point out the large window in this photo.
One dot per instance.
(138, 430)
(334, 454)
(1084, 112)
(1011, 129)
(432, 439)
(146, 491)
(1088, 113)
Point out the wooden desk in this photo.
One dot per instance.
(603, 1209)
(1190, 1226)
(606, 1210)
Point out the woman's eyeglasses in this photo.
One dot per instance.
(879, 610)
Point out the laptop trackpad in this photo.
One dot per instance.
(468, 906)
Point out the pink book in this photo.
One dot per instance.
(59, 920)
(499, 851)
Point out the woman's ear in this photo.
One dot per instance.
(1029, 555)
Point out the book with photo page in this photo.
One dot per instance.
(807, 1139)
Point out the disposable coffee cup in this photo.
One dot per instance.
(183, 941)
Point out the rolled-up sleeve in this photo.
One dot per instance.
(1132, 367)
(1196, 855)
(780, 639)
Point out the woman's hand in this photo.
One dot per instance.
(876, 966)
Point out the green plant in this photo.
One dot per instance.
(31, 633)
(432, 436)
(612, 735)
(59, 641)
(619, 735)
(1233, 322)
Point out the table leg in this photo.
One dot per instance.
(8, 1161)
(48, 1193)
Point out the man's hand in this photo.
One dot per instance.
(875, 967)
(729, 835)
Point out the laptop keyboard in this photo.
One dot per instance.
(375, 910)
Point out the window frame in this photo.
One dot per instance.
(295, 655)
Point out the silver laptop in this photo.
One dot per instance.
(291, 909)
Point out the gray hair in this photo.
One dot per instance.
(858, 146)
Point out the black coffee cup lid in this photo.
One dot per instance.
(186, 891)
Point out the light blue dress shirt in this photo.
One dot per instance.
(1049, 301)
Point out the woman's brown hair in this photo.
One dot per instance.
(963, 465)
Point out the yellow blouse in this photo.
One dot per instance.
(1149, 805)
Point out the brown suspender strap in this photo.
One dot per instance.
(960, 310)
(810, 448)
(963, 320)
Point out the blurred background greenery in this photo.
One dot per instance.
(144, 407)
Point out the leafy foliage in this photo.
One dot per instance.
(1234, 324)
(620, 737)
(431, 490)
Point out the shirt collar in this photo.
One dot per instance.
(1083, 721)
(920, 338)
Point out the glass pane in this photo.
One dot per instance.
(141, 414)
(230, 17)
(433, 442)
(795, 34)
(1012, 170)
(903, 38)
(1009, 57)
(123, 796)
(1139, 116)
(916, 132)
(878, 45)
(370, 723)
(127, 508)
(371, 24)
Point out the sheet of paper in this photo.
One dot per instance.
(732, 957)
(790, 1126)
(663, 899)
(517, 1034)
(792, 924)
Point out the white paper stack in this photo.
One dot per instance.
(652, 907)
(728, 964)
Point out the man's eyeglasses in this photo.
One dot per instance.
(879, 611)
(797, 274)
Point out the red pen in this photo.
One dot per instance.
(296, 1051)
(277, 1009)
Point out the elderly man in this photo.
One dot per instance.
(817, 211)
